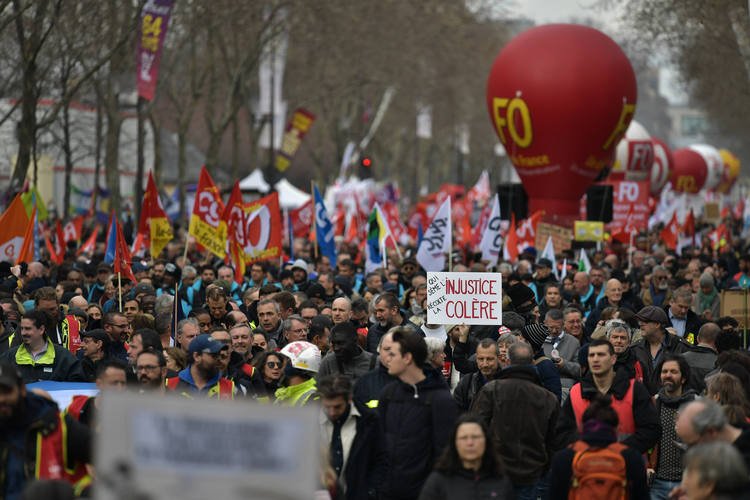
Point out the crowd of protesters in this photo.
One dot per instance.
(625, 371)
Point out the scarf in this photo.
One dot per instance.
(705, 301)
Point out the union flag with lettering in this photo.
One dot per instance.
(207, 225)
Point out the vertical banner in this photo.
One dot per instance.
(153, 31)
(629, 196)
(295, 131)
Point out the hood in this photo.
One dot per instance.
(685, 397)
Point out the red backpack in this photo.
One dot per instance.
(598, 472)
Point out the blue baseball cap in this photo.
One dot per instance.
(205, 344)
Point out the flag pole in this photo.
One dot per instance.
(119, 288)
(314, 220)
(450, 259)
(185, 252)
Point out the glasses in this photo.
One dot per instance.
(147, 368)
(273, 364)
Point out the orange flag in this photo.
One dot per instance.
(27, 249)
(13, 224)
(510, 251)
(89, 245)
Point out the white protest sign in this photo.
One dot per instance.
(470, 298)
(192, 449)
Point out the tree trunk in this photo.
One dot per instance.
(98, 154)
(181, 161)
(68, 159)
(111, 157)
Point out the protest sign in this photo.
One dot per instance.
(470, 298)
(171, 447)
(562, 237)
(629, 197)
(734, 303)
(62, 392)
(588, 230)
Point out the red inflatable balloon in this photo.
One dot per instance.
(690, 171)
(560, 97)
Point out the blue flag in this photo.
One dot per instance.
(109, 254)
(324, 230)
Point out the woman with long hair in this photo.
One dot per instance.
(269, 367)
(469, 467)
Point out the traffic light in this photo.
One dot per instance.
(366, 162)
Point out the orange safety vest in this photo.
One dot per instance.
(224, 387)
(623, 407)
(52, 455)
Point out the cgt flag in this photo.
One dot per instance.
(437, 239)
(154, 222)
(324, 229)
(206, 223)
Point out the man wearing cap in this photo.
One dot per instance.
(655, 342)
(96, 290)
(408, 270)
(38, 358)
(37, 441)
(202, 376)
(95, 346)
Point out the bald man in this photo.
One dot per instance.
(341, 310)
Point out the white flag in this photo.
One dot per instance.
(492, 243)
(583, 262)
(549, 253)
(437, 240)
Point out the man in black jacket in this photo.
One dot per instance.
(416, 415)
(368, 387)
(656, 341)
(488, 361)
(29, 423)
(521, 415)
(350, 432)
(680, 317)
(387, 315)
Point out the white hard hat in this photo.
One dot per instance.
(303, 355)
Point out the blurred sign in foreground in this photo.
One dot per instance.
(169, 447)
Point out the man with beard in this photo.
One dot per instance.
(151, 367)
(387, 315)
(665, 461)
(347, 358)
(38, 358)
(37, 441)
(488, 362)
(232, 364)
(202, 376)
(658, 292)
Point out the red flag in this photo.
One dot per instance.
(302, 219)
(510, 250)
(13, 224)
(73, 229)
(688, 227)
(719, 237)
(670, 232)
(206, 223)
(27, 248)
(628, 230)
(123, 258)
(53, 255)
(739, 209)
(526, 231)
(234, 217)
(154, 224)
(89, 245)
(59, 240)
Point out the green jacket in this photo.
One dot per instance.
(297, 395)
(56, 364)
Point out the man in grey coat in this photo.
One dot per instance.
(346, 357)
(562, 349)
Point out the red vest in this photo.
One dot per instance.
(224, 387)
(76, 406)
(623, 407)
(51, 456)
